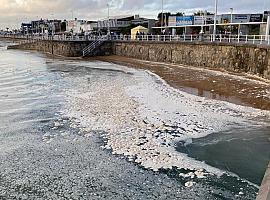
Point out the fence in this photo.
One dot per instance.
(228, 38)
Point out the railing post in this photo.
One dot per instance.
(246, 38)
(261, 39)
(238, 39)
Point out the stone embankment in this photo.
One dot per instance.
(62, 48)
(253, 59)
(247, 58)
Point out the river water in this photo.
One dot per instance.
(73, 129)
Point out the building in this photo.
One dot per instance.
(26, 28)
(145, 22)
(75, 26)
(114, 24)
(46, 26)
(81, 26)
(89, 27)
(123, 24)
(54, 26)
(226, 23)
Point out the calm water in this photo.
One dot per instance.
(73, 167)
(245, 152)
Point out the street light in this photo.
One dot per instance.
(162, 12)
(267, 29)
(202, 18)
(231, 18)
(215, 21)
(108, 24)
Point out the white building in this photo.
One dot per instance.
(81, 26)
(115, 23)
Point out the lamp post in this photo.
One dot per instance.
(202, 18)
(162, 11)
(267, 29)
(215, 21)
(231, 19)
(108, 24)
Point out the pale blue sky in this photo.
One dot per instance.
(12, 12)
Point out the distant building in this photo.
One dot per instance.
(46, 26)
(148, 23)
(89, 27)
(80, 26)
(115, 23)
(226, 23)
(26, 28)
(75, 26)
(54, 26)
(120, 24)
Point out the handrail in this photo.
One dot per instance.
(90, 49)
(224, 38)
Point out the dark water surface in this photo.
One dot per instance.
(243, 152)
(32, 166)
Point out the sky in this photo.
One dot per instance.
(13, 12)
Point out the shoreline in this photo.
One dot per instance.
(241, 89)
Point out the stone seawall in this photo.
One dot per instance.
(246, 58)
(62, 48)
(237, 58)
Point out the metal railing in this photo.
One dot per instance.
(220, 38)
(91, 48)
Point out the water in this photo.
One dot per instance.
(46, 154)
(242, 151)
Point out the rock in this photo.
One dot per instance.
(189, 184)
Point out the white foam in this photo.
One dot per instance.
(140, 117)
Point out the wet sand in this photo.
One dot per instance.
(241, 89)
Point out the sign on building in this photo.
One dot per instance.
(184, 20)
(199, 20)
(241, 18)
(172, 21)
(180, 20)
(256, 17)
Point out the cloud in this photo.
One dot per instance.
(13, 12)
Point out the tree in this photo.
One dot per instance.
(166, 16)
(199, 13)
(179, 14)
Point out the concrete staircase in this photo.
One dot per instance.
(92, 48)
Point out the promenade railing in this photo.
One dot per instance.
(219, 38)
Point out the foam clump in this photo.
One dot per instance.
(189, 184)
(143, 119)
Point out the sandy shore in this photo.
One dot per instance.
(241, 89)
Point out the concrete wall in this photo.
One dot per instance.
(62, 48)
(236, 58)
(264, 193)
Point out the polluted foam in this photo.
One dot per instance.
(141, 117)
